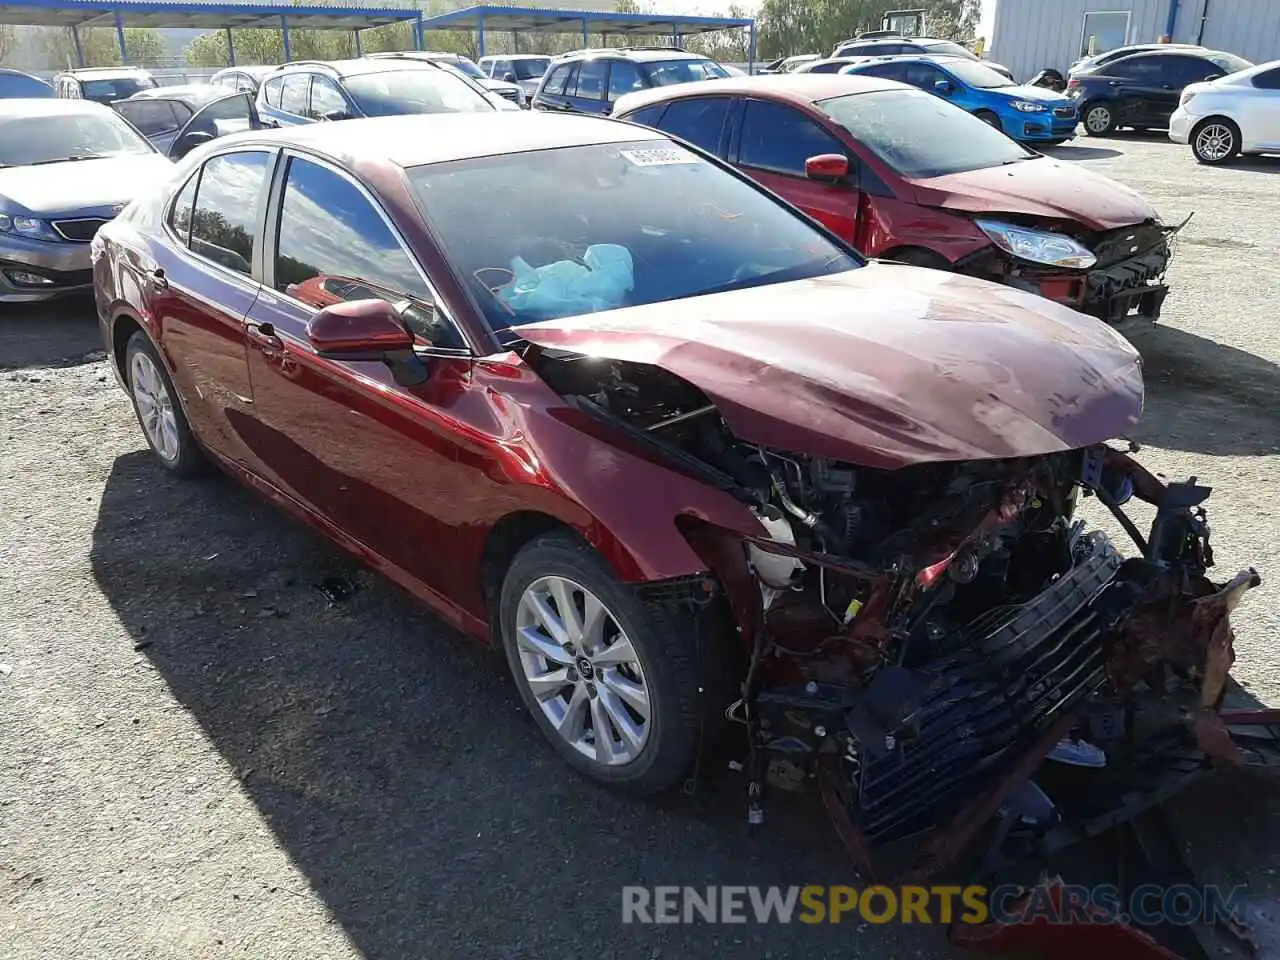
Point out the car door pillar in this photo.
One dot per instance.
(231, 49)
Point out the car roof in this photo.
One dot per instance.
(187, 93)
(253, 70)
(800, 89)
(21, 107)
(939, 58)
(358, 65)
(416, 139)
(519, 56)
(628, 53)
(102, 73)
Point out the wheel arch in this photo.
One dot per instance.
(505, 539)
(124, 324)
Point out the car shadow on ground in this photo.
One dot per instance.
(397, 767)
(1071, 151)
(61, 333)
(1206, 397)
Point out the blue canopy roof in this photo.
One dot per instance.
(493, 17)
(195, 14)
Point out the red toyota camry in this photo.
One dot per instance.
(685, 456)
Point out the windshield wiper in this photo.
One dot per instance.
(78, 156)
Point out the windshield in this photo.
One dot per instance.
(596, 227)
(1229, 62)
(107, 91)
(948, 48)
(428, 90)
(75, 136)
(531, 69)
(463, 65)
(974, 74)
(662, 73)
(889, 122)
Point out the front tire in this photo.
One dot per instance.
(1215, 141)
(155, 403)
(1098, 118)
(610, 681)
(990, 119)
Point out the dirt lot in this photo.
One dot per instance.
(200, 756)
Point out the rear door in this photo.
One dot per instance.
(589, 89)
(200, 287)
(376, 459)
(773, 142)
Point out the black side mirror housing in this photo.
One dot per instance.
(334, 115)
(188, 142)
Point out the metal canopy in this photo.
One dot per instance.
(571, 21)
(198, 15)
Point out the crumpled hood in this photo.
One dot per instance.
(81, 186)
(1043, 187)
(887, 365)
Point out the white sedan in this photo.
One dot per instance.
(1238, 113)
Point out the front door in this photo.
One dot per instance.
(375, 458)
(773, 143)
(201, 288)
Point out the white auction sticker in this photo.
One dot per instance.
(659, 156)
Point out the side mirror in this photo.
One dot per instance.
(828, 167)
(334, 115)
(188, 142)
(943, 88)
(358, 330)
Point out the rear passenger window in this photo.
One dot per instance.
(698, 121)
(591, 79)
(555, 82)
(778, 138)
(886, 71)
(224, 222)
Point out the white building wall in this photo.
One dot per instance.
(1029, 35)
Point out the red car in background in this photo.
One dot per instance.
(905, 175)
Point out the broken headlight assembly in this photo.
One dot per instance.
(1038, 246)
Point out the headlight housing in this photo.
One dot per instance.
(29, 227)
(1038, 246)
(1028, 106)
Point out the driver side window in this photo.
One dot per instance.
(780, 139)
(326, 99)
(333, 245)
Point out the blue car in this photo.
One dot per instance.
(1029, 114)
(14, 84)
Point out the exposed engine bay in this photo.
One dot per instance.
(921, 639)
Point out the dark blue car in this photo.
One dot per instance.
(591, 81)
(16, 85)
(1025, 113)
(312, 90)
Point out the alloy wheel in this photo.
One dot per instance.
(582, 669)
(1098, 120)
(1215, 142)
(155, 407)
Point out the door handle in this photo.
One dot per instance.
(159, 282)
(263, 336)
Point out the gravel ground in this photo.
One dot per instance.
(200, 756)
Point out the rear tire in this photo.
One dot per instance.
(645, 686)
(990, 119)
(1098, 119)
(159, 411)
(1215, 141)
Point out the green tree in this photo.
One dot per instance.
(101, 47)
(787, 27)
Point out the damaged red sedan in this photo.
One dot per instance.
(688, 459)
(905, 175)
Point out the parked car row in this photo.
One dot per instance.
(600, 399)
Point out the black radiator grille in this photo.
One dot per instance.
(80, 230)
(1020, 670)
